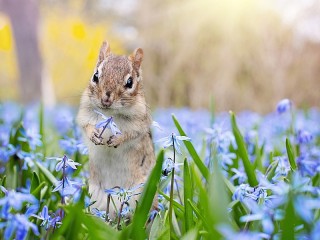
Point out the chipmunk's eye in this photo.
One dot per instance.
(129, 82)
(95, 77)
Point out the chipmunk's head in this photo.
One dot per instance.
(116, 81)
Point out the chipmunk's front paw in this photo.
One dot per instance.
(96, 138)
(114, 141)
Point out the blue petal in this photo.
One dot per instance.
(59, 166)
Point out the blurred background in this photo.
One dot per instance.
(244, 54)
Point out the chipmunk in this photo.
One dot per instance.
(123, 160)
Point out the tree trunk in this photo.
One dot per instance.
(24, 17)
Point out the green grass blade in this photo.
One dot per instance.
(191, 235)
(229, 185)
(42, 128)
(188, 192)
(198, 213)
(37, 191)
(203, 169)
(3, 181)
(218, 200)
(175, 203)
(290, 155)
(35, 181)
(146, 200)
(77, 224)
(242, 151)
(259, 154)
(288, 223)
(46, 173)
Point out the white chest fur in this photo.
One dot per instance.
(111, 165)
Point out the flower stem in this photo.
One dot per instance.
(171, 189)
(108, 207)
(104, 128)
(119, 218)
(63, 179)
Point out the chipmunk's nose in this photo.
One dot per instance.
(107, 99)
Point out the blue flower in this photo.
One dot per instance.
(282, 168)
(152, 215)
(265, 215)
(28, 158)
(65, 162)
(107, 123)
(168, 165)
(221, 138)
(20, 225)
(173, 140)
(9, 113)
(126, 210)
(242, 191)
(63, 120)
(304, 137)
(226, 159)
(15, 200)
(32, 137)
(6, 151)
(98, 213)
(284, 105)
(5, 134)
(67, 187)
(251, 138)
(315, 232)
(45, 217)
(229, 234)
(71, 146)
(308, 165)
(305, 206)
(123, 194)
(240, 175)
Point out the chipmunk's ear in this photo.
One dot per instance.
(136, 58)
(104, 52)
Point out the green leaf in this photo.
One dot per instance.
(259, 154)
(156, 228)
(97, 229)
(191, 235)
(175, 225)
(41, 127)
(198, 213)
(188, 192)
(291, 155)
(46, 173)
(242, 151)
(203, 169)
(76, 224)
(34, 181)
(229, 185)
(36, 187)
(177, 205)
(37, 191)
(271, 170)
(4, 180)
(218, 200)
(288, 223)
(146, 200)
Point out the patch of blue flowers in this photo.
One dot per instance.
(274, 194)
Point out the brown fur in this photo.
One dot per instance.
(123, 160)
